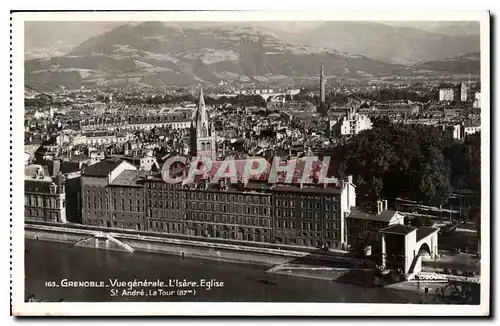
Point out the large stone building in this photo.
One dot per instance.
(115, 194)
(313, 215)
(111, 196)
(44, 197)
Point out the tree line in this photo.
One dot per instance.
(417, 162)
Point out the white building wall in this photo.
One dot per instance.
(119, 169)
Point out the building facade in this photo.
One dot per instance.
(363, 227)
(115, 194)
(446, 95)
(111, 196)
(44, 198)
(353, 123)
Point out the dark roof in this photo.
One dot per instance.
(42, 186)
(101, 169)
(424, 231)
(384, 216)
(398, 229)
(69, 166)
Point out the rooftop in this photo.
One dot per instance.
(424, 231)
(101, 169)
(37, 172)
(360, 213)
(398, 229)
(127, 178)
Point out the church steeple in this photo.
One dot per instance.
(201, 116)
(202, 133)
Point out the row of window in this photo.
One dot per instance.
(307, 205)
(225, 208)
(121, 216)
(304, 225)
(164, 194)
(228, 219)
(165, 227)
(161, 186)
(41, 213)
(254, 235)
(305, 214)
(118, 224)
(162, 214)
(307, 242)
(201, 195)
(165, 204)
(48, 202)
(100, 206)
(365, 224)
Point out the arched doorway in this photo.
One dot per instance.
(424, 250)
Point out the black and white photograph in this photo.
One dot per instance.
(180, 158)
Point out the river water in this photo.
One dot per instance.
(47, 261)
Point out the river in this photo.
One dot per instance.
(47, 261)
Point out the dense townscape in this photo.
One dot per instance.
(402, 159)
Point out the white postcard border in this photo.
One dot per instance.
(19, 307)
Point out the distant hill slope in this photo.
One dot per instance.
(152, 53)
(397, 44)
(465, 64)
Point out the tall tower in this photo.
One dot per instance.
(322, 106)
(202, 132)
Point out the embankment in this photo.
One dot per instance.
(181, 247)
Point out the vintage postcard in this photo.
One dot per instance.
(251, 163)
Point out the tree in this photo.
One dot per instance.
(396, 160)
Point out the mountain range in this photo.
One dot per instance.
(156, 53)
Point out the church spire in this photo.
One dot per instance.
(201, 118)
(201, 99)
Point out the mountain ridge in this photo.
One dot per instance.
(154, 53)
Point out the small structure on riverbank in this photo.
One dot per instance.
(403, 246)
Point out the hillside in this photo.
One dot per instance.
(465, 64)
(397, 44)
(156, 53)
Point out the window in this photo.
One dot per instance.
(304, 226)
(292, 224)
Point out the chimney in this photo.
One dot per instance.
(349, 179)
(380, 207)
(385, 204)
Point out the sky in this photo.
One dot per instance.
(60, 36)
